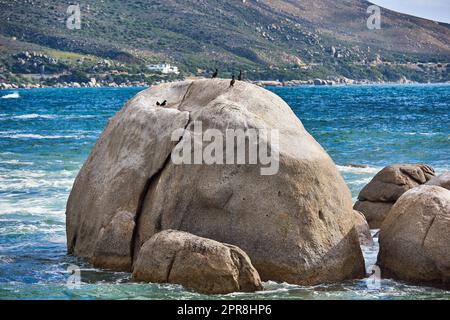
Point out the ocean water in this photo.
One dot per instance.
(46, 134)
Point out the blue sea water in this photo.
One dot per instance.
(46, 134)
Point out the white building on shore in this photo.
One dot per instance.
(163, 68)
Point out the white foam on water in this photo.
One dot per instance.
(23, 179)
(17, 173)
(45, 206)
(14, 174)
(34, 116)
(14, 95)
(16, 162)
(83, 116)
(357, 170)
(19, 229)
(421, 133)
(36, 136)
(23, 184)
(14, 134)
(57, 239)
(271, 287)
(371, 252)
(55, 232)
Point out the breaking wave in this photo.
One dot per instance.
(14, 95)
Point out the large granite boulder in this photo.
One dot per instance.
(414, 238)
(441, 181)
(296, 225)
(205, 265)
(377, 198)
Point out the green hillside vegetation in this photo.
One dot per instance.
(289, 39)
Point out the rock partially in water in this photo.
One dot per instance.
(377, 198)
(414, 238)
(363, 229)
(442, 181)
(296, 225)
(205, 265)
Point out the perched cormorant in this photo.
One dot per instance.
(161, 104)
(215, 74)
(233, 81)
(240, 76)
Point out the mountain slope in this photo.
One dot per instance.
(279, 38)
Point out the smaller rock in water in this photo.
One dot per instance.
(377, 198)
(363, 229)
(442, 181)
(414, 238)
(204, 265)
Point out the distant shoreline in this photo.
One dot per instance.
(262, 83)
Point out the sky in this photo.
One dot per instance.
(438, 10)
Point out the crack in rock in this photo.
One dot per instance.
(428, 230)
(412, 176)
(148, 186)
(170, 266)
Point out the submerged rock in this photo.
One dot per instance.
(296, 225)
(205, 265)
(377, 198)
(414, 238)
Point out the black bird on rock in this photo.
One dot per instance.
(161, 104)
(233, 81)
(240, 76)
(215, 74)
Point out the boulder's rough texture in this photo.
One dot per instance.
(442, 181)
(377, 198)
(201, 264)
(134, 146)
(363, 229)
(296, 226)
(414, 238)
(113, 244)
(375, 212)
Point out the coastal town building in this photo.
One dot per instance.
(163, 68)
